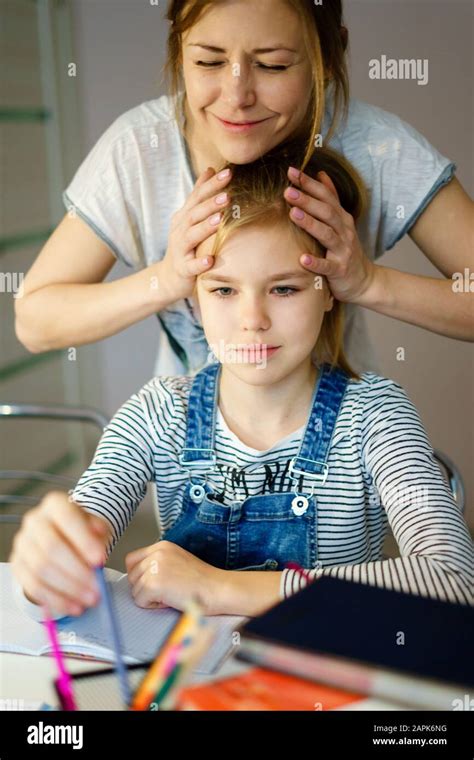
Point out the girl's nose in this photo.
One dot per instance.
(254, 316)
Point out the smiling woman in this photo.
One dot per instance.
(246, 76)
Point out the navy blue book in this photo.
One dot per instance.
(397, 646)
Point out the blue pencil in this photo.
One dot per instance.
(114, 629)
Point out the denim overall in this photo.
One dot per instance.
(261, 532)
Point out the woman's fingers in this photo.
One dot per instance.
(207, 208)
(198, 264)
(316, 188)
(325, 267)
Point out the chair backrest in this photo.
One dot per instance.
(453, 477)
(51, 412)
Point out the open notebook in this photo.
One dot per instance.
(142, 631)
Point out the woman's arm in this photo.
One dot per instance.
(445, 234)
(64, 301)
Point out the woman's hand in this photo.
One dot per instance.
(54, 553)
(348, 270)
(166, 575)
(190, 226)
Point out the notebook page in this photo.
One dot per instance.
(144, 631)
(18, 632)
(21, 633)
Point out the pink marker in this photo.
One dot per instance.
(63, 681)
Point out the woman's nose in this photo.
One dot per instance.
(238, 86)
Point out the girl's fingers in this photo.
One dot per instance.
(143, 595)
(43, 594)
(133, 558)
(71, 522)
(74, 577)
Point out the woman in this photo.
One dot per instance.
(133, 197)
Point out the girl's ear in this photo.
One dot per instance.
(329, 300)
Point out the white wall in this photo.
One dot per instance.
(120, 51)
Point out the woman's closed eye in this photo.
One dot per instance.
(278, 287)
(275, 67)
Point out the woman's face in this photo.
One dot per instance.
(258, 294)
(231, 81)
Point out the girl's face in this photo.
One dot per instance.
(227, 79)
(258, 294)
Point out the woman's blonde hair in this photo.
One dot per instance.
(325, 39)
(256, 198)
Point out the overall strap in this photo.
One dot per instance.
(326, 403)
(199, 452)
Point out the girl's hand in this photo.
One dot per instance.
(166, 575)
(54, 553)
(348, 270)
(190, 226)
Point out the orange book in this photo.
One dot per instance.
(260, 689)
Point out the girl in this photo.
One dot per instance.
(276, 451)
(281, 65)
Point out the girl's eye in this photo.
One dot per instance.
(286, 287)
(278, 287)
(262, 65)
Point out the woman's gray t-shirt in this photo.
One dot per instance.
(139, 174)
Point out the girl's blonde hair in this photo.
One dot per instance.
(325, 40)
(256, 198)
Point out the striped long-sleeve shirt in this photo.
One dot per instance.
(381, 471)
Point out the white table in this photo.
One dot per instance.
(30, 678)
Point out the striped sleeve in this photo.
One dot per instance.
(116, 481)
(436, 551)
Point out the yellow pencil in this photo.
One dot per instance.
(150, 684)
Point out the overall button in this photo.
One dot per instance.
(299, 505)
(197, 493)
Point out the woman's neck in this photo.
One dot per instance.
(273, 409)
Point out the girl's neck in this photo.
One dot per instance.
(273, 410)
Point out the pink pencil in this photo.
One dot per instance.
(63, 681)
(304, 573)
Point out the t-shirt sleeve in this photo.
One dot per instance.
(101, 192)
(408, 172)
(116, 481)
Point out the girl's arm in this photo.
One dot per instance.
(437, 555)
(115, 482)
